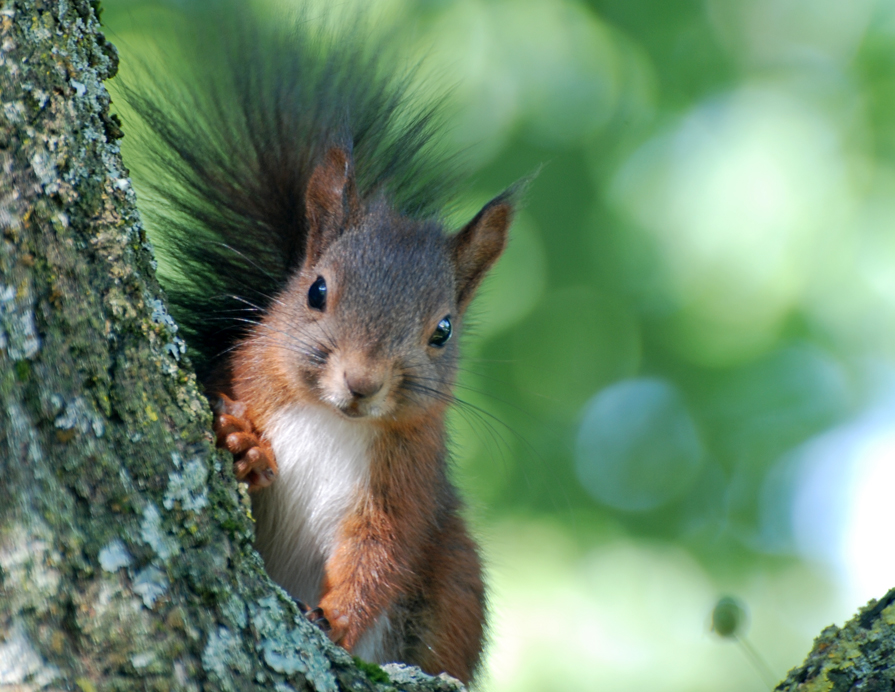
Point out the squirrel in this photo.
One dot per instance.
(297, 190)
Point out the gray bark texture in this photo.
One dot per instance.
(126, 558)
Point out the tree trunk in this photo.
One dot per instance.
(126, 558)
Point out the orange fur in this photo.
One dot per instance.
(401, 541)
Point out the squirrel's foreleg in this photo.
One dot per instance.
(365, 574)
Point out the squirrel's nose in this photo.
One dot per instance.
(361, 386)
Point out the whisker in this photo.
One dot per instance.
(473, 413)
(470, 413)
(303, 347)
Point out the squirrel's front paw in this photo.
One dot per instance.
(318, 618)
(314, 615)
(335, 624)
(254, 460)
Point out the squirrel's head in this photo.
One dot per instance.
(370, 324)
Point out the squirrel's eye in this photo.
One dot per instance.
(317, 295)
(442, 333)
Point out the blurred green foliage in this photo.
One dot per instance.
(701, 283)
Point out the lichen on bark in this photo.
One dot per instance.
(125, 545)
(859, 657)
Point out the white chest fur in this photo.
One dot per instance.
(324, 462)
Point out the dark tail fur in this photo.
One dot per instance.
(231, 139)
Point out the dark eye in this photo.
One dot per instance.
(317, 295)
(441, 334)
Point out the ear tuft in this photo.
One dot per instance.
(330, 199)
(478, 245)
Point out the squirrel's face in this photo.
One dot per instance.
(377, 321)
(369, 325)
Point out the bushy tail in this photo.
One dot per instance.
(230, 134)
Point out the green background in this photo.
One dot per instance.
(679, 384)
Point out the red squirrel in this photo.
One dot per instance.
(297, 194)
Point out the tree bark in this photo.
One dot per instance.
(860, 657)
(126, 559)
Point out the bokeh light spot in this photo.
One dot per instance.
(737, 198)
(638, 447)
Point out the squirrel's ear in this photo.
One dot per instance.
(477, 247)
(330, 200)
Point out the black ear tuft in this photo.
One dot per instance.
(330, 200)
(478, 245)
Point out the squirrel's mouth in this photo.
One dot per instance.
(361, 408)
(352, 410)
(369, 409)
